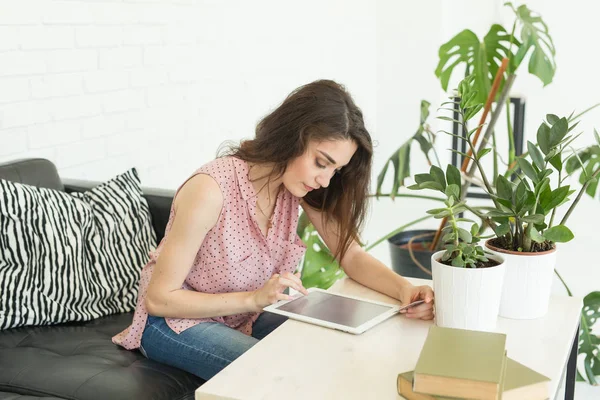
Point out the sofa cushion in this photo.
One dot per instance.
(71, 257)
(78, 361)
(34, 171)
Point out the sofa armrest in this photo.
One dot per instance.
(159, 201)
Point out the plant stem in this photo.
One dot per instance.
(563, 282)
(583, 189)
(454, 226)
(495, 151)
(415, 196)
(511, 135)
(431, 139)
(398, 230)
(554, 209)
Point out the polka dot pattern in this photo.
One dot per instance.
(235, 255)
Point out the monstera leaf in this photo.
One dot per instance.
(319, 268)
(534, 33)
(401, 157)
(483, 58)
(480, 58)
(589, 344)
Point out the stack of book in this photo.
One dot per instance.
(463, 364)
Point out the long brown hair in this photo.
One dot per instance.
(321, 110)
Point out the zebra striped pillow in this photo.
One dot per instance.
(71, 257)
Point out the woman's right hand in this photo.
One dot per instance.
(272, 291)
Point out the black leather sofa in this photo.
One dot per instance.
(78, 360)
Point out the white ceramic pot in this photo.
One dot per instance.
(527, 283)
(467, 298)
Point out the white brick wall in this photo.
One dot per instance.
(88, 84)
(98, 86)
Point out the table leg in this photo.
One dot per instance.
(572, 369)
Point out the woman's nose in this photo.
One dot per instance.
(323, 180)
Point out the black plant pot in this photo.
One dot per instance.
(402, 263)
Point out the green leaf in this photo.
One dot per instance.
(543, 137)
(589, 343)
(555, 198)
(453, 176)
(449, 119)
(551, 118)
(521, 195)
(424, 110)
(474, 229)
(556, 162)
(458, 262)
(534, 33)
(504, 188)
(498, 213)
(483, 152)
(535, 218)
(506, 203)
(502, 229)
(558, 132)
(438, 176)
(303, 222)
(481, 58)
(319, 268)
(431, 185)
(536, 155)
(453, 191)
(420, 178)
(559, 234)
(434, 211)
(535, 235)
(465, 235)
(527, 169)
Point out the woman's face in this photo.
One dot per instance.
(317, 165)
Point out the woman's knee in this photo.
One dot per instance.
(203, 349)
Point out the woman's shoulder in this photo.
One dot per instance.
(220, 165)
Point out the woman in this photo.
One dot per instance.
(230, 247)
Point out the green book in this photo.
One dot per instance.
(461, 363)
(524, 383)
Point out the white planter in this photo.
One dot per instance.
(527, 283)
(467, 298)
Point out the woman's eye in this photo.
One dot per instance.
(319, 164)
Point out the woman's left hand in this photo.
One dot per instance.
(413, 293)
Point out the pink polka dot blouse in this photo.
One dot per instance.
(235, 255)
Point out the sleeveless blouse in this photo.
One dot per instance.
(235, 255)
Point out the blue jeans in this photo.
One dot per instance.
(206, 348)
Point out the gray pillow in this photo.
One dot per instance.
(71, 257)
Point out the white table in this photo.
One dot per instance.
(303, 361)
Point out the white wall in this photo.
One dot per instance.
(99, 86)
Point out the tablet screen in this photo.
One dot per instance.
(336, 309)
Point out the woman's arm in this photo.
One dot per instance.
(370, 272)
(198, 206)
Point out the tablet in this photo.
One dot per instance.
(331, 310)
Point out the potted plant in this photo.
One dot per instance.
(501, 52)
(467, 280)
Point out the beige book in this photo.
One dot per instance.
(461, 363)
(405, 383)
(520, 383)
